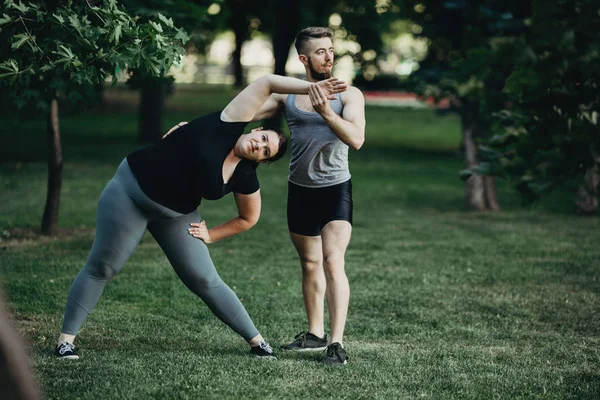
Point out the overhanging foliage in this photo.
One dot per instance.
(49, 49)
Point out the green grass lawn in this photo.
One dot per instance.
(445, 304)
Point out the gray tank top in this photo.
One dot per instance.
(319, 157)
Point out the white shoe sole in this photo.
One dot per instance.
(307, 349)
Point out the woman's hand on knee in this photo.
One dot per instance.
(200, 231)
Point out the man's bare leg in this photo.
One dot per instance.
(335, 237)
(309, 250)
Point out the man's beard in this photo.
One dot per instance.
(319, 76)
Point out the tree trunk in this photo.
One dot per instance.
(287, 22)
(491, 193)
(240, 29)
(100, 92)
(55, 166)
(474, 187)
(480, 191)
(150, 114)
(586, 199)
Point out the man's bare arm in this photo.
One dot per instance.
(350, 127)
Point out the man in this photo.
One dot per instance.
(320, 191)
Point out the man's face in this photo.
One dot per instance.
(319, 58)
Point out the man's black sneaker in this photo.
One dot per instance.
(263, 350)
(66, 351)
(306, 341)
(335, 355)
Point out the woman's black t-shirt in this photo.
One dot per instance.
(187, 166)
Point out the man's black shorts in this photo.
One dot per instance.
(310, 209)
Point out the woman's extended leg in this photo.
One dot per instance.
(120, 225)
(192, 263)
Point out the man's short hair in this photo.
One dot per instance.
(314, 32)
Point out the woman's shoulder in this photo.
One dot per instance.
(244, 178)
(214, 121)
(226, 120)
(213, 117)
(247, 166)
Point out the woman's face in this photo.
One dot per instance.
(258, 145)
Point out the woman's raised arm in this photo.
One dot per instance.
(243, 107)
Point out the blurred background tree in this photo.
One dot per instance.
(54, 50)
(523, 77)
(469, 58)
(549, 136)
(191, 16)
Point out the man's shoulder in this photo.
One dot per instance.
(352, 93)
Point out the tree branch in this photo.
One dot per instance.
(97, 15)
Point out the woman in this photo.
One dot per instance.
(159, 188)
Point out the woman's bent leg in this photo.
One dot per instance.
(192, 263)
(120, 225)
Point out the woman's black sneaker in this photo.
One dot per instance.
(263, 350)
(306, 341)
(335, 355)
(66, 350)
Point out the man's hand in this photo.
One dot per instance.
(319, 100)
(200, 231)
(173, 128)
(332, 86)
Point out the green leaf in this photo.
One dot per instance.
(156, 26)
(116, 34)
(41, 16)
(182, 35)
(465, 174)
(66, 52)
(160, 40)
(75, 23)
(21, 7)
(483, 168)
(489, 154)
(14, 65)
(19, 40)
(32, 45)
(47, 67)
(168, 22)
(7, 67)
(59, 18)
(153, 66)
(5, 19)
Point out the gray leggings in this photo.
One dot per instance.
(124, 213)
